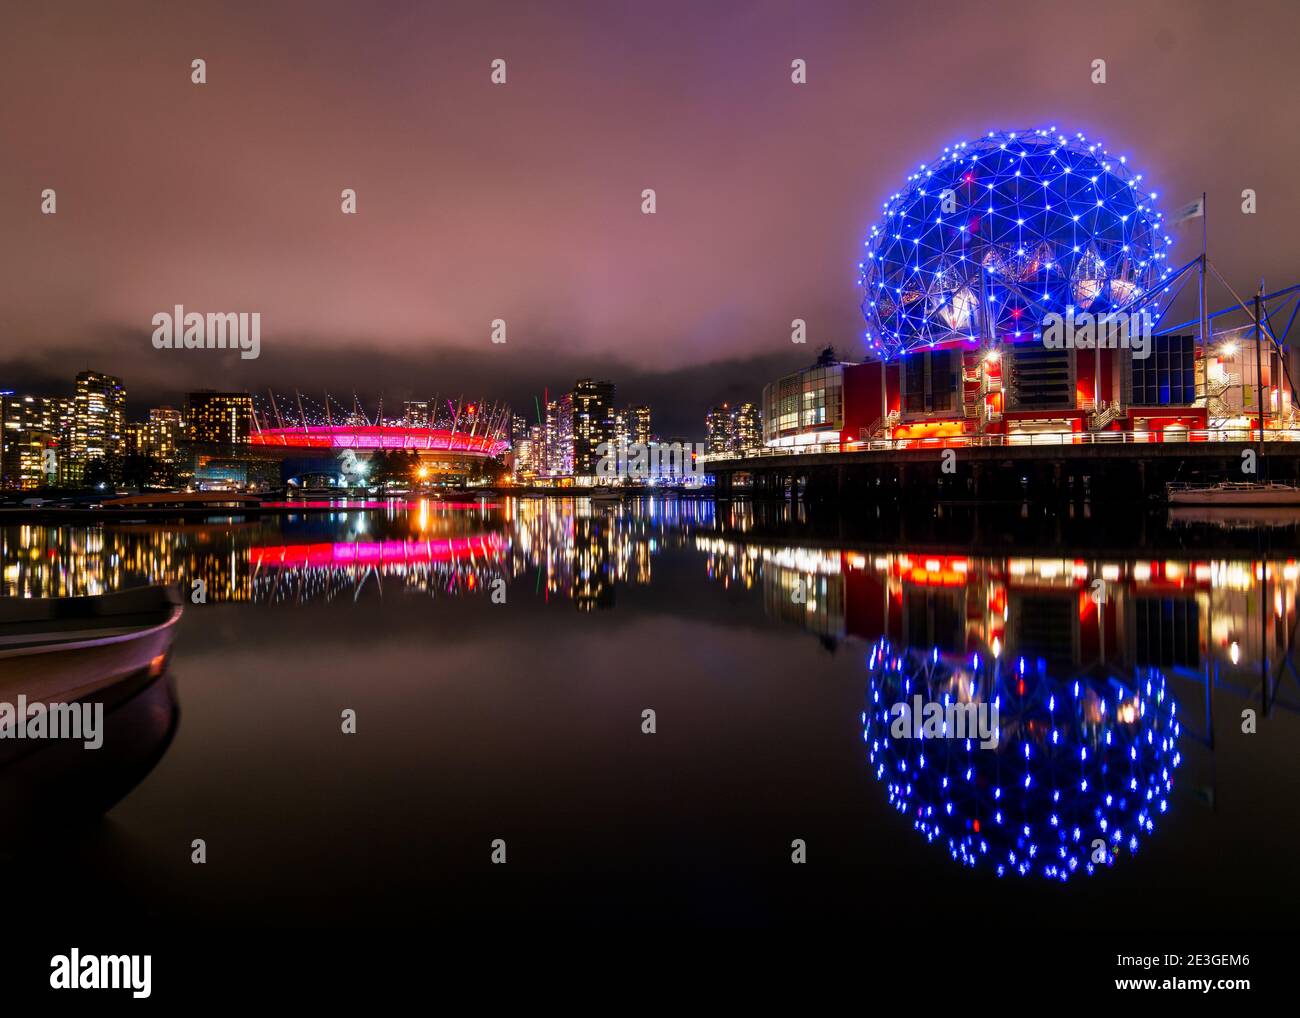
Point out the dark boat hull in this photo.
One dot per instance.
(65, 649)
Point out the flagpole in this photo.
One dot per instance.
(1205, 313)
(1259, 372)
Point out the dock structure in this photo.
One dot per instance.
(1071, 467)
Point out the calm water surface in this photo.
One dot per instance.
(768, 640)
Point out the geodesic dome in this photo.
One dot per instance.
(997, 232)
(1083, 770)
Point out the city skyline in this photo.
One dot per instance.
(687, 419)
(456, 233)
(648, 472)
(234, 438)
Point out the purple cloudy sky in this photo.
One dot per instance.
(522, 202)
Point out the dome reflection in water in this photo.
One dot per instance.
(1081, 773)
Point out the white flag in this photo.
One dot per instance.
(1189, 211)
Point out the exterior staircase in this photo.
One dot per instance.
(1101, 419)
(1213, 395)
(976, 405)
(882, 427)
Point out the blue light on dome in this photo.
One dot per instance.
(1008, 228)
(1073, 783)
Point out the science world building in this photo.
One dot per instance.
(1021, 284)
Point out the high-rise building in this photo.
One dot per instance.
(550, 429)
(746, 428)
(135, 438)
(14, 438)
(415, 414)
(36, 433)
(632, 425)
(718, 423)
(218, 418)
(57, 415)
(528, 444)
(218, 452)
(529, 452)
(522, 452)
(638, 423)
(559, 436)
(163, 433)
(99, 422)
(593, 422)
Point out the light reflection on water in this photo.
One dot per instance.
(1214, 619)
(1079, 773)
(1110, 669)
(431, 547)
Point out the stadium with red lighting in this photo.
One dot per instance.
(305, 443)
(373, 438)
(329, 453)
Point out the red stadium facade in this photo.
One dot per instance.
(317, 455)
(374, 438)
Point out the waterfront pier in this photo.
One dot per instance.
(1111, 466)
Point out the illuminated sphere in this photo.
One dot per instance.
(1025, 222)
(1081, 775)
